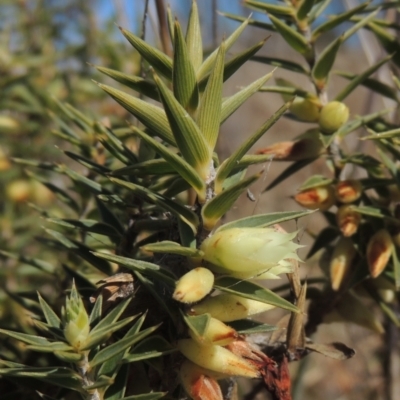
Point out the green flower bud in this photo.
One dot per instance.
(248, 249)
(194, 285)
(333, 115)
(76, 320)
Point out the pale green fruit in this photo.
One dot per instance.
(333, 115)
(194, 286)
(306, 110)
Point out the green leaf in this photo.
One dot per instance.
(325, 61)
(388, 41)
(148, 114)
(150, 167)
(248, 327)
(373, 84)
(169, 247)
(371, 211)
(183, 168)
(264, 220)
(188, 137)
(392, 134)
(229, 42)
(51, 317)
(154, 346)
(28, 339)
(337, 20)
(95, 314)
(116, 391)
(193, 38)
(34, 262)
(131, 263)
(146, 396)
(360, 78)
(293, 38)
(86, 162)
(136, 83)
(81, 250)
(59, 376)
(396, 267)
(122, 344)
(252, 22)
(293, 168)
(198, 324)
(50, 347)
(315, 181)
(109, 218)
(284, 11)
(304, 9)
(157, 59)
(228, 165)
(87, 225)
(180, 211)
(282, 63)
(359, 25)
(250, 290)
(183, 74)
(223, 202)
(209, 111)
(100, 336)
(232, 103)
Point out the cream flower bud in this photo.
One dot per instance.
(348, 191)
(248, 249)
(194, 285)
(306, 110)
(341, 261)
(76, 320)
(348, 220)
(216, 333)
(379, 250)
(199, 383)
(333, 115)
(228, 307)
(216, 358)
(321, 197)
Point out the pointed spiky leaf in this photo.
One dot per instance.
(281, 63)
(223, 202)
(209, 111)
(360, 78)
(51, 317)
(264, 220)
(180, 211)
(148, 114)
(227, 166)
(188, 137)
(183, 168)
(193, 37)
(270, 8)
(157, 59)
(183, 75)
(252, 291)
(167, 246)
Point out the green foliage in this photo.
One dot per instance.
(138, 203)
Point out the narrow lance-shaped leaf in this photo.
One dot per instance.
(293, 38)
(51, 317)
(193, 37)
(156, 58)
(188, 137)
(252, 291)
(232, 103)
(325, 62)
(223, 202)
(148, 114)
(137, 83)
(337, 20)
(229, 42)
(209, 112)
(251, 22)
(183, 75)
(359, 25)
(188, 216)
(184, 169)
(228, 165)
(360, 78)
(270, 8)
(281, 63)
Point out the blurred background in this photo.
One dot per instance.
(47, 52)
